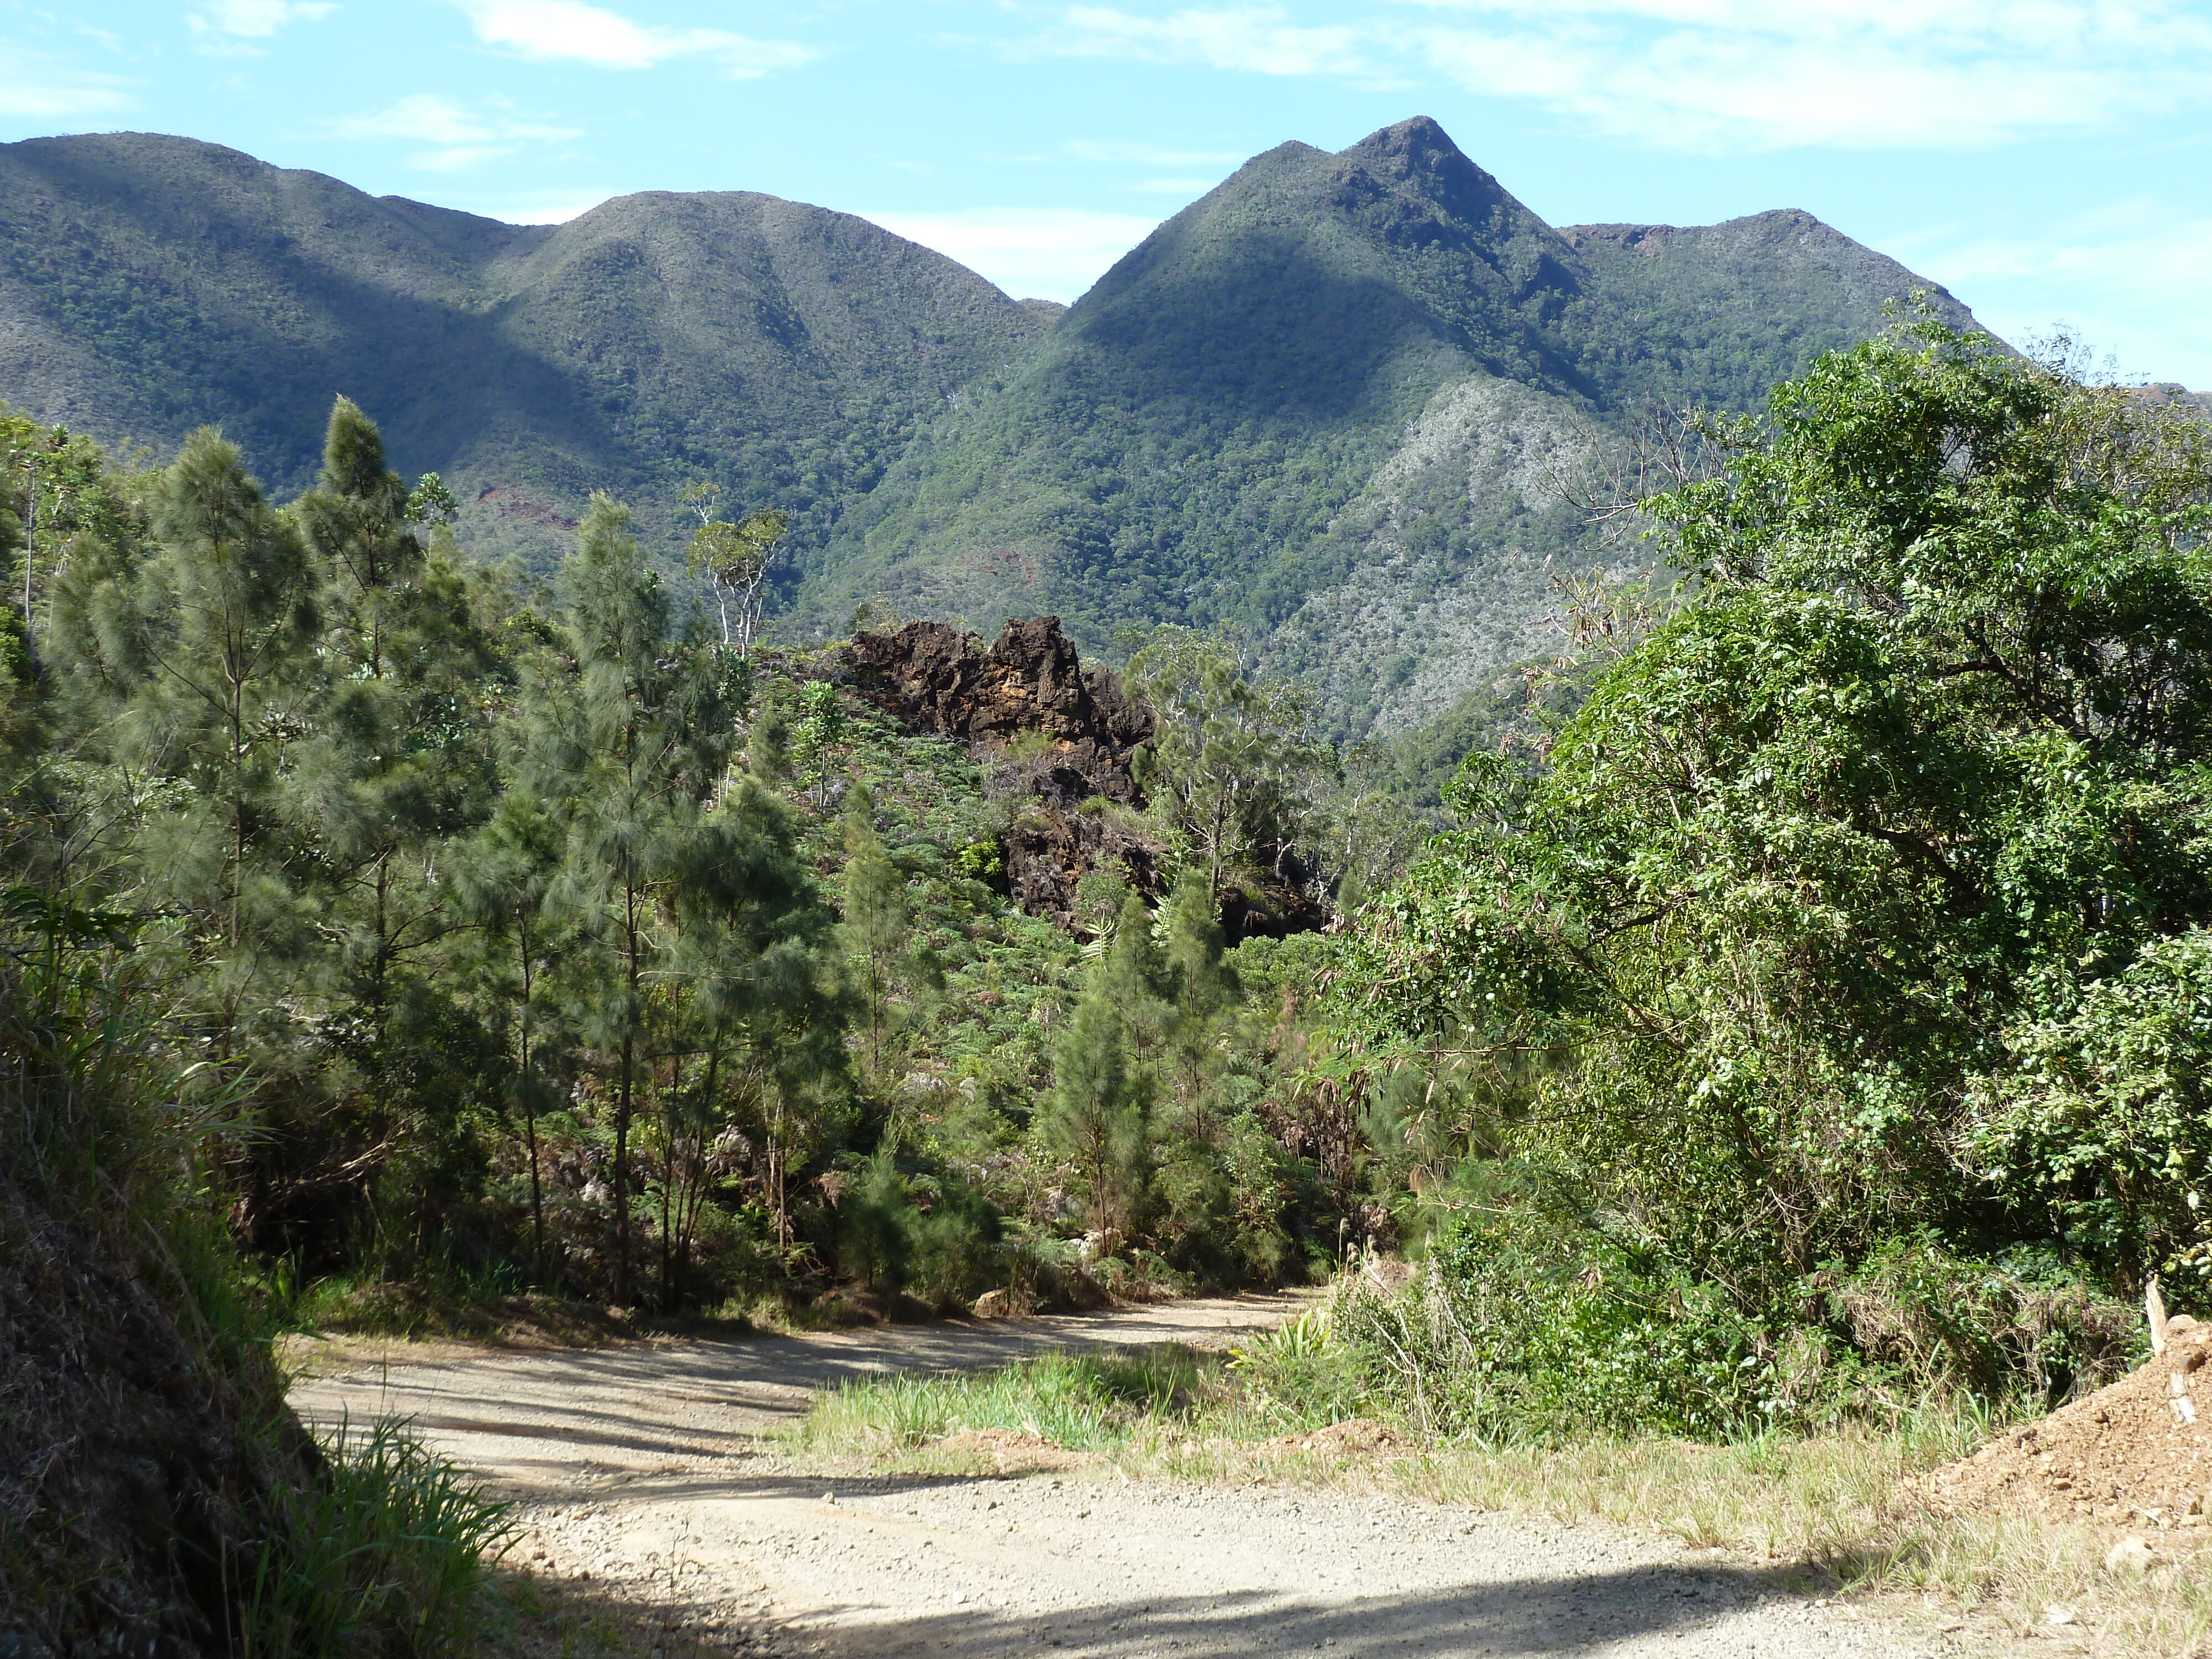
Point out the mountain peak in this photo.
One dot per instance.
(1420, 139)
(1417, 159)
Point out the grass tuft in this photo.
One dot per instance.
(1085, 1402)
(388, 1554)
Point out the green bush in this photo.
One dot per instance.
(386, 1555)
(1523, 1326)
(2100, 1119)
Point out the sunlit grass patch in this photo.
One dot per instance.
(1845, 1504)
(1083, 1402)
(389, 1550)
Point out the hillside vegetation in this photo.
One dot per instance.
(1788, 1009)
(1331, 405)
(164, 284)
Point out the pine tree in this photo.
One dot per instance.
(505, 881)
(1135, 980)
(397, 764)
(213, 653)
(397, 767)
(1202, 985)
(1095, 1115)
(632, 750)
(877, 924)
(759, 1027)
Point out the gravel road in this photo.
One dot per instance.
(641, 1475)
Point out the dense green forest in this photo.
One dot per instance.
(537, 939)
(1792, 999)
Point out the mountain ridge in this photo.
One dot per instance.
(1308, 406)
(1231, 426)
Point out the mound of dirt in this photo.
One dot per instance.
(1012, 1451)
(1357, 1434)
(2138, 1452)
(136, 1469)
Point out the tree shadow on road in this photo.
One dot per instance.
(1613, 1611)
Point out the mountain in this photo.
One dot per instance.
(1325, 404)
(150, 284)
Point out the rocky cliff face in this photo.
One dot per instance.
(1064, 737)
(932, 676)
(1029, 685)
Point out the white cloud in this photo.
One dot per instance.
(463, 137)
(1045, 253)
(1254, 38)
(1796, 76)
(570, 31)
(226, 26)
(2128, 279)
(37, 88)
(1715, 75)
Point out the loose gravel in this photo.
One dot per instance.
(641, 1474)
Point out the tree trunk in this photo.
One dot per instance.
(622, 1179)
(530, 1121)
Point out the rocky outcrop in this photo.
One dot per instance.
(1032, 684)
(934, 677)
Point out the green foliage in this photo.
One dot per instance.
(1876, 864)
(502, 917)
(735, 560)
(1363, 365)
(388, 1554)
(112, 1139)
(2096, 1123)
(876, 925)
(426, 318)
(1095, 1118)
(1230, 758)
(1292, 413)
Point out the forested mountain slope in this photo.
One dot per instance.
(1325, 404)
(151, 284)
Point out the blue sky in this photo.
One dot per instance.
(2050, 161)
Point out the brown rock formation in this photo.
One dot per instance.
(932, 678)
(1030, 683)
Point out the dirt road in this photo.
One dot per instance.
(642, 1473)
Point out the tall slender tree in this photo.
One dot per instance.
(506, 882)
(1095, 1117)
(877, 922)
(211, 641)
(398, 766)
(641, 744)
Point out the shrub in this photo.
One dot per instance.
(386, 1554)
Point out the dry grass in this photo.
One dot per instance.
(1848, 1505)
